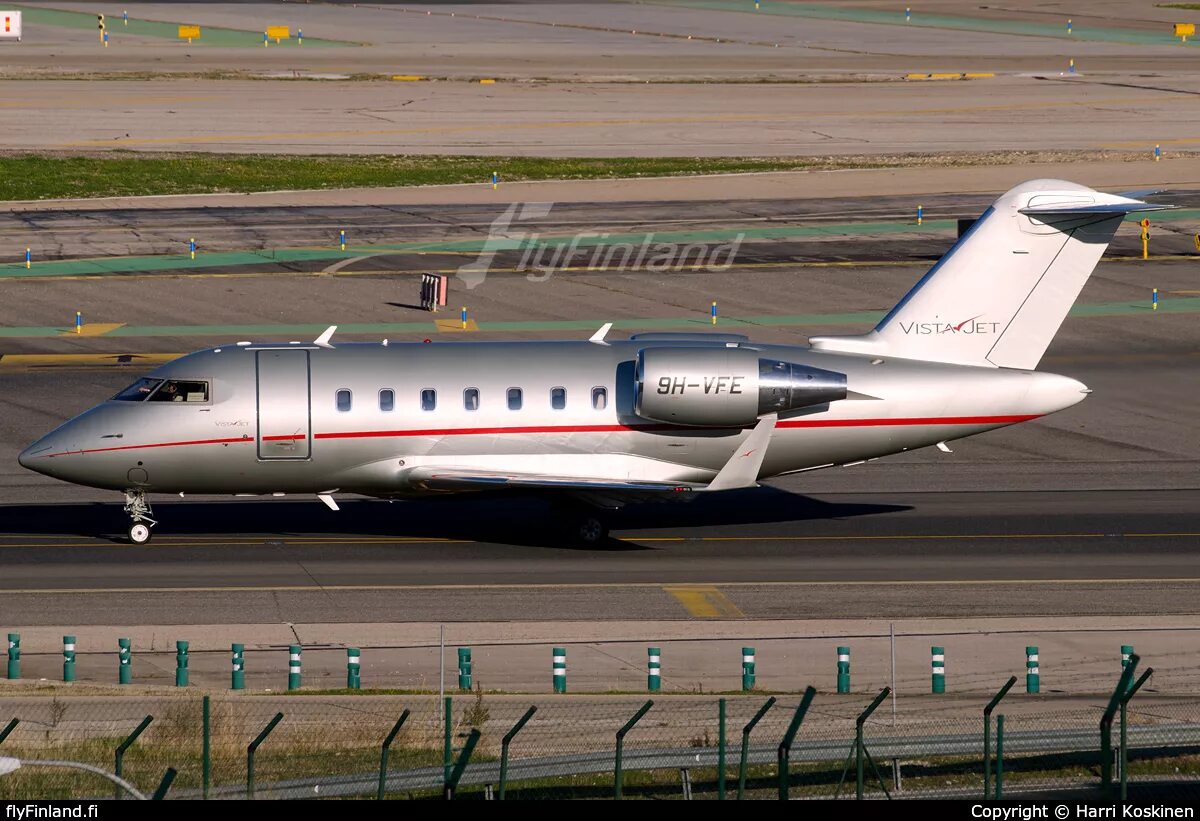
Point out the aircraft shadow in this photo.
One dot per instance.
(494, 518)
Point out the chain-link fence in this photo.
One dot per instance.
(332, 746)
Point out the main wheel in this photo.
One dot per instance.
(591, 530)
(139, 533)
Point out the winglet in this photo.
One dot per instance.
(329, 501)
(322, 341)
(742, 468)
(598, 336)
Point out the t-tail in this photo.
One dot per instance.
(998, 297)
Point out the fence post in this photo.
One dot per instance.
(560, 669)
(860, 745)
(383, 754)
(785, 746)
(124, 661)
(294, 669)
(119, 757)
(353, 668)
(463, 759)
(938, 659)
(617, 772)
(238, 679)
(653, 669)
(999, 756)
(721, 749)
(250, 750)
(1106, 721)
(843, 670)
(1033, 670)
(762, 711)
(508, 737)
(12, 725)
(14, 655)
(68, 658)
(206, 747)
(464, 668)
(167, 780)
(181, 664)
(1124, 737)
(447, 750)
(748, 668)
(987, 735)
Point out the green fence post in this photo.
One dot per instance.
(353, 668)
(721, 749)
(762, 711)
(167, 780)
(860, 746)
(206, 747)
(181, 664)
(463, 759)
(843, 670)
(785, 746)
(12, 725)
(1033, 670)
(68, 658)
(14, 655)
(621, 733)
(1106, 721)
(124, 661)
(508, 737)
(464, 668)
(938, 658)
(119, 758)
(999, 756)
(250, 750)
(447, 750)
(383, 754)
(560, 669)
(748, 668)
(987, 735)
(238, 679)
(294, 671)
(1124, 737)
(653, 669)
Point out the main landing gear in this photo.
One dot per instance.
(139, 510)
(590, 530)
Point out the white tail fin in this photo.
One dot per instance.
(998, 297)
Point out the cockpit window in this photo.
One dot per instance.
(139, 390)
(181, 390)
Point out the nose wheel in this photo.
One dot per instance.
(139, 511)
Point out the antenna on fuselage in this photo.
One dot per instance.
(322, 341)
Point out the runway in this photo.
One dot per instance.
(764, 554)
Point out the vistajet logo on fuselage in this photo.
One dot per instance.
(967, 326)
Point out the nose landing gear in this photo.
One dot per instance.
(139, 510)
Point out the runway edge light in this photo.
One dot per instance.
(124, 661)
(843, 669)
(14, 656)
(748, 669)
(559, 669)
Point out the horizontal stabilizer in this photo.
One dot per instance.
(1068, 209)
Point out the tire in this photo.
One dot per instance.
(139, 533)
(591, 531)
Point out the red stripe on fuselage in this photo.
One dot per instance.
(381, 434)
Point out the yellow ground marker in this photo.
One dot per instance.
(455, 326)
(407, 78)
(705, 602)
(487, 82)
(94, 329)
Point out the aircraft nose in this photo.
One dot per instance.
(34, 457)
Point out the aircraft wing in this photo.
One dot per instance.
(450, 479)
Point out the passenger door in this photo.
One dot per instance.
(284, 418)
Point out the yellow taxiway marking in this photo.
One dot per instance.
(906, 537)
(159, 544)
(705, 602)
(455, 325)
(93, 329)
(587, 586)
(25, 361)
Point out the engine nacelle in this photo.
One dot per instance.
(726, 386)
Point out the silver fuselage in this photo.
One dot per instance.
(272, 424)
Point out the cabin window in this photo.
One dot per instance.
(514, 398)
(428, 399)
(599, 398)
(558, 398)
(471, 399)
(139, 390)
(181, 390)
(343, 400)
(387, 400)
